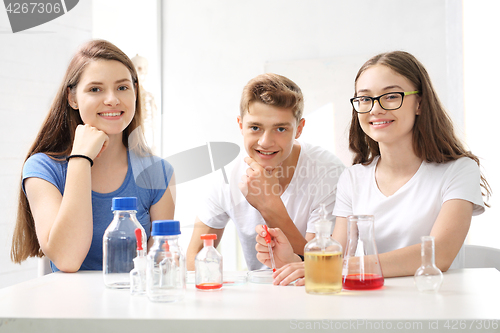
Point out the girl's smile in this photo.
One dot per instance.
(383, 126)
(105, 96)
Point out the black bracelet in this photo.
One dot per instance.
(301, 257)
(82, 156)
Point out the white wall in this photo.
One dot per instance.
(136, 32)
(32, 64)
(213, 48)
(481, 73)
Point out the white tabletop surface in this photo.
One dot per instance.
(80, 302)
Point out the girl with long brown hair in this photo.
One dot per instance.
(86, 153)
(409, 170)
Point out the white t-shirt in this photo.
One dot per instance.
(314, 182)
(402, 218)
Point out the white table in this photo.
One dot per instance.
(79, 302)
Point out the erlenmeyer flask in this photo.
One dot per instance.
(361, 270)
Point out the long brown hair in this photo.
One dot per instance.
(434, 138)
(56, 135)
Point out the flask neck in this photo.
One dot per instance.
(361, 229)
(208, 242)
(165, 242)
(124, 213)
(427, 252)
(323, 229)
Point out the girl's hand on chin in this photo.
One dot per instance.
(89, 141)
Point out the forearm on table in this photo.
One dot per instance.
(449, 232)
(70, 235)
(405, 261)
(401, 262)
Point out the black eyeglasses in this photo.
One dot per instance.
(390, 101)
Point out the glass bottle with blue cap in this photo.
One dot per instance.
(166, 263)
(120, 243)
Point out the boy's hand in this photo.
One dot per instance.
(260, 186)
(282, 250)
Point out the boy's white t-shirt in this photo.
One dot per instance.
(314, 182)
(402, 218)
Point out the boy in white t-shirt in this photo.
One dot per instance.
(278, 181)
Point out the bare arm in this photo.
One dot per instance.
(259, 186)
(449, 230)
(278, 218)
(164, 209)
(196, 244)
(340, 231)
(64, 224)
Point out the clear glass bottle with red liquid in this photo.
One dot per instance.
(361, 270)
(428, 277)
(208, 265)
(323, 259)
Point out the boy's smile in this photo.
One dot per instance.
(269, 133)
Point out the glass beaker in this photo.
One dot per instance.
(361, 270)
(428, 277)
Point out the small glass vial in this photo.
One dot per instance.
(119, 243)
(166, 264)
(208, 265)
(138, 274)
(323, 259)
(428, 277)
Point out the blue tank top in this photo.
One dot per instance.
(147, 179)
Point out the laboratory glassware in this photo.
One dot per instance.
(323, 259)
(208, 265)
(361, 268)
(119, 243)
(428, 277)
(166, 264)
(269, 247)
(138, 274)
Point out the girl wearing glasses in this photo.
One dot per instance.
(89, 149)
(409, 170)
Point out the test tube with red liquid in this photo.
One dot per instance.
(268, 242)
